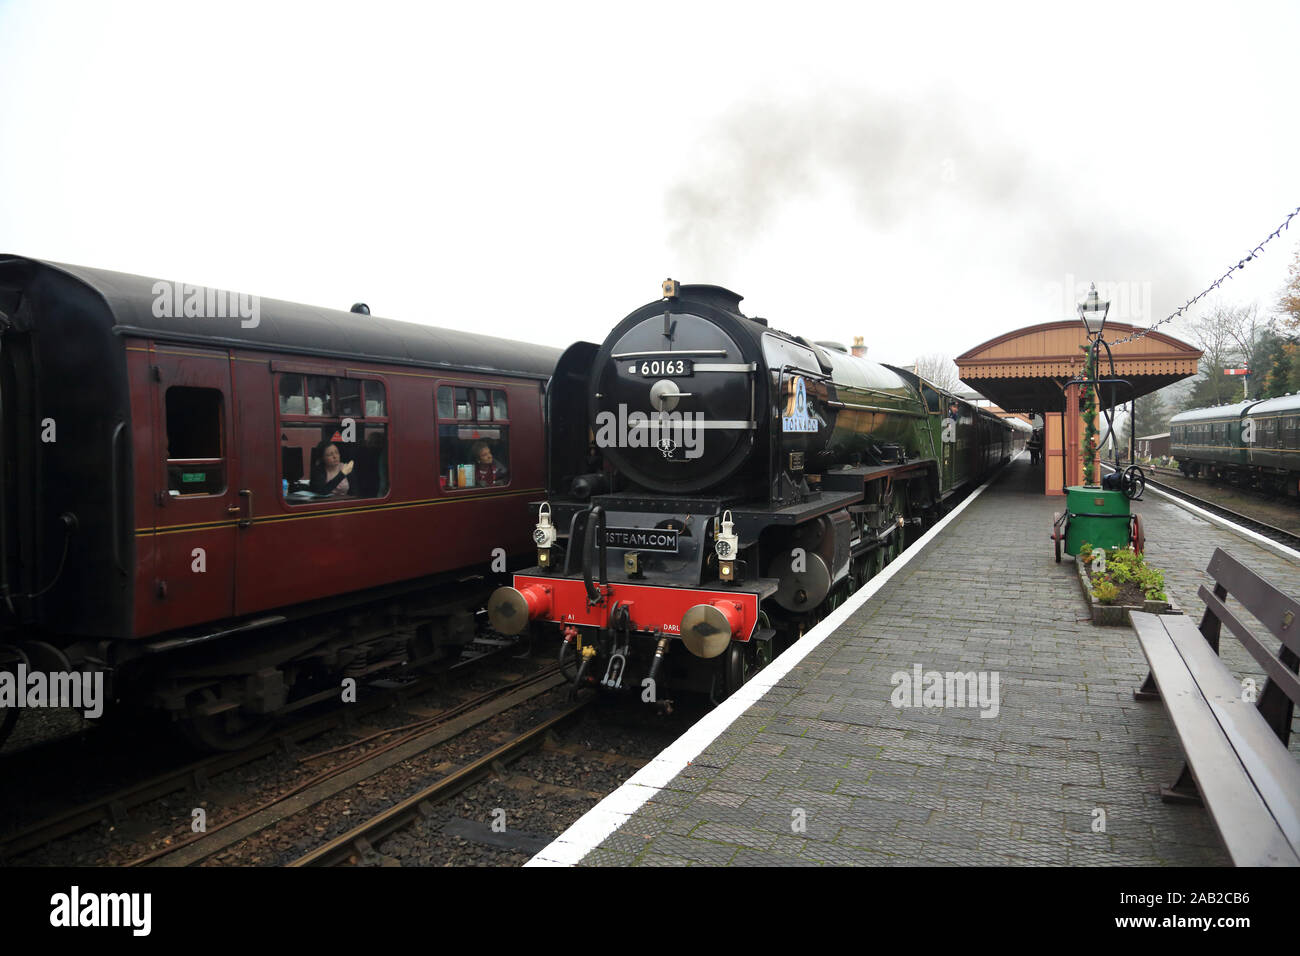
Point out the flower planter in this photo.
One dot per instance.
(1116, 615)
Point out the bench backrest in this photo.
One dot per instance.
(1276, 611)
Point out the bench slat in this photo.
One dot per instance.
(1248, 829)
(1272, 769)
(1259, 596)
(1278, 672)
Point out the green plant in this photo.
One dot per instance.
(1089, 418)
(1152, 583)
(1124, 565)
(1105, 591)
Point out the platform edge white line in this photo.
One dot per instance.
(1252, 536)
(639, 789)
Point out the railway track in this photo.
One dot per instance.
(1246, 521)
(115, 806)
(1260, 493)
(359, 843)
(411, 740)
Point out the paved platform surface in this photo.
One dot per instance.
(824, 769)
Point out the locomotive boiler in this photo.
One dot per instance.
(715, 483)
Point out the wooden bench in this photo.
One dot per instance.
(1237, 761)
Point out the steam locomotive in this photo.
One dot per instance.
(715, 486)
(164, 514)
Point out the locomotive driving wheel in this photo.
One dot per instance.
(744, 660)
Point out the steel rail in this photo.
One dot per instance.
(114, 807)
(360, 840)
(334, 780)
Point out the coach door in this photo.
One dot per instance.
(197, 500)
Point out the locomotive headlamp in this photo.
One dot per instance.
(544, 535)
(1092, 310)
(726, 545)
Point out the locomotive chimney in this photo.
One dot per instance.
(859, 350)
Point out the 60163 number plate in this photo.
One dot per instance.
(658, 368)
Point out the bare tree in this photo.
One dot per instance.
(1216, 335)
(938, 370)
(1250, 333)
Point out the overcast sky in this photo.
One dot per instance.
(927, 177)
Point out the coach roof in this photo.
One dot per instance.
(1215, 413)
(285, 326)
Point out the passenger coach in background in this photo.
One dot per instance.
(1254, 444)
(226, 512)
(715, 483)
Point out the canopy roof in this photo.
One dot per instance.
(1024, 370)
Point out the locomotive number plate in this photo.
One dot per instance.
(642, 539)
(658, 368)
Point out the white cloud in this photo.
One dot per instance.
(513, 168)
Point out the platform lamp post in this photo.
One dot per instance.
(1097, 515)
(1092, 312)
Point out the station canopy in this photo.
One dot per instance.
(1025, 370)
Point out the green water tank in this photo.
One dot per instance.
(1099, 517)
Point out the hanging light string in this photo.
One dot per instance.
(1241, 264)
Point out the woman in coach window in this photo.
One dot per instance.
(331, 478)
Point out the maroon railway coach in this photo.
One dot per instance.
(165, 516)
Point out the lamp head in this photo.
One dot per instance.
(1092, 311)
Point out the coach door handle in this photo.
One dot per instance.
(248, 521)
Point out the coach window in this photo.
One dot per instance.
(318, 395)
(331, 424)
(195, 460)
(473, 437)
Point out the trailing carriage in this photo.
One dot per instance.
(227, 504)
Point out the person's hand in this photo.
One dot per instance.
(347, 468)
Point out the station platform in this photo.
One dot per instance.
(815, 765)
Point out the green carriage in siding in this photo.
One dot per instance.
(1255, 443)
